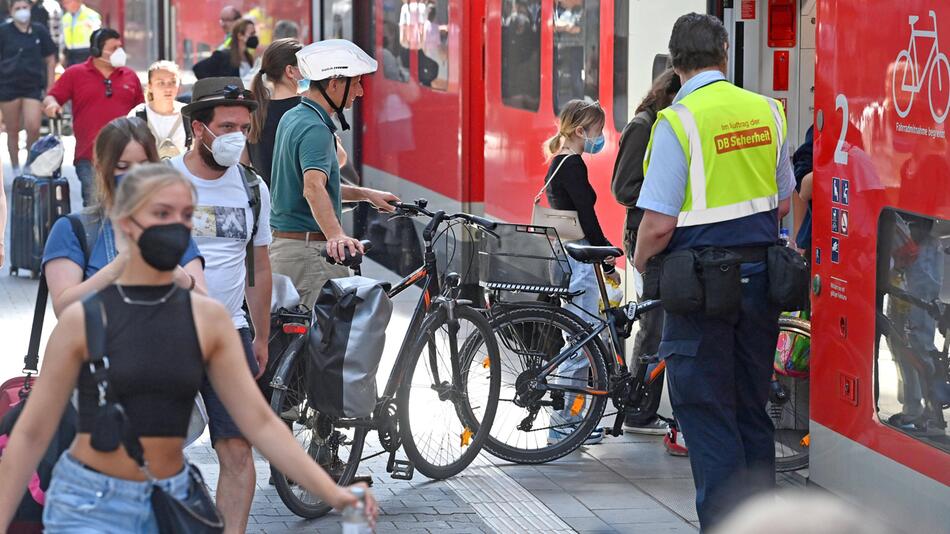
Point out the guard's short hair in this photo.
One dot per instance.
(698, 42)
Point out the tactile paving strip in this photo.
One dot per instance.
(502, 503)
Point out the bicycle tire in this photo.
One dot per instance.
(791, 447)
(411, 407)
(292, 374)
(506, 324)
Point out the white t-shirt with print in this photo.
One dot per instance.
(223, 222)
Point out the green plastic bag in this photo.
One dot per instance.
(792, 351)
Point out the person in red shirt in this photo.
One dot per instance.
(101, 89)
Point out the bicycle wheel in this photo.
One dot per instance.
(443, 422)
(790, 415)
(337, 449)
(550, 424)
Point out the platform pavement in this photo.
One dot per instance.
(625, 484)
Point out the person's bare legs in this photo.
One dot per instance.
(11, 121)
(32, 111)
(236, 483)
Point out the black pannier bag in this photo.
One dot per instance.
(788, 278)
(346, 344)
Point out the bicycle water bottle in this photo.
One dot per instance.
(354, 516)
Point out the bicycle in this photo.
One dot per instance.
(438, 411)
(788, 404)
(537, 339)
(906, 63)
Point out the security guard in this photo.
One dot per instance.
(79, 23)
(718, 175)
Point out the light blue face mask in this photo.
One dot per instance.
(593, 145)
(303, 86)
(118, 179)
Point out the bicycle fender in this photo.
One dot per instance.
(287, 359)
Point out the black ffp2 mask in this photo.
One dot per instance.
(252, 42)
(163, 246)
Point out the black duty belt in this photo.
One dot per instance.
(751, 254)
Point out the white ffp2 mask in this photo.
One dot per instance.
(227, 148)
(118, 58)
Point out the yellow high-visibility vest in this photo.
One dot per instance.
(732, 139)
(78, 28)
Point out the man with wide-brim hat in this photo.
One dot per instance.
(232, 230)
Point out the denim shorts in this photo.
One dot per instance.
(220, 423)
(83, 501)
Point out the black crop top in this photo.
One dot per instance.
(571, 190)
(155, 362)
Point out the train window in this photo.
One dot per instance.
(434, 54)
(521, 54)
(621, 45)
(913, 319)
(396, 39)
(576, 50)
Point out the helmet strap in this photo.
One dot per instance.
(338, 108)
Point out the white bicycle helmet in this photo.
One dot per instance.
(334, 58)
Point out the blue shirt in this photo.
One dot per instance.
(63, 243)
(664, 186)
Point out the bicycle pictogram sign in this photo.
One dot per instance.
(909, 77)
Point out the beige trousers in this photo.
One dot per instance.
(304, 263)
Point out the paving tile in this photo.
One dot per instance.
(651, 528)
(638, 515)
(589, 525)
(564, 505)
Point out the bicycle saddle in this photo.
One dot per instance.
(591, 254)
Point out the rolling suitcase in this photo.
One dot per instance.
(39, 197)
(36, 204)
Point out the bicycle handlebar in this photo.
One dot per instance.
(349, 260)
(418, 208)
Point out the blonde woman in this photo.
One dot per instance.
(162, 112)
(580, 131)
(160, 339)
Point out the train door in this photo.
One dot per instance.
(880, 395)
(772, 52)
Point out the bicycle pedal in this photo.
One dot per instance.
(402, 470)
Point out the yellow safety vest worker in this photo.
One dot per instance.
(78, 28)
(732, 139)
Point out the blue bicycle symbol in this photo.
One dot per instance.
(912, 76)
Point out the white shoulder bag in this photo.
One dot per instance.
(564, 221)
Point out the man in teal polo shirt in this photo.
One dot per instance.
(306, 193)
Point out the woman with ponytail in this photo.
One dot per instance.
(580, 130)
(275, 89)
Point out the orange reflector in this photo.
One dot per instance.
(466, 437)
(487, 363)
(577, 405)
(806, 440)
(295, 328)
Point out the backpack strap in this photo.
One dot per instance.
(142, 114)
(252, 186)
(86, 227)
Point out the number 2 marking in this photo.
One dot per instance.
(841, 157)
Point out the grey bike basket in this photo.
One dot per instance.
(346, 342)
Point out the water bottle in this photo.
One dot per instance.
(354, 516)
(783, 236)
